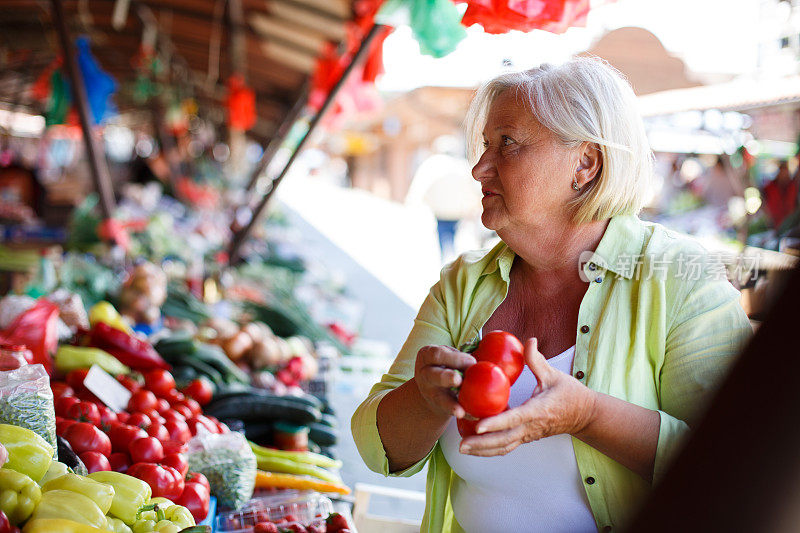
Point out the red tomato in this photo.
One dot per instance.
(95, 461)
(122, 416)
(61, 389)
(158, 431)
(122, 435)
(504, 350)
(146, 450)
(195, 497)
(107, 416)
(484, 390)
(174, 446)
(87, 396)
(193, 406)
(183, 410)
(177, 461)
(165, 481)
(159, 381)
(162, 406)
(140, 420)
(197, 477)
(142, 401)
(84, 412)
(75, 378)
(119, 461)
(62, 424)
(178, 430)
(156, 418)
(63, 404)
(5, 524)
(174, 397)
(173, 415)
(466, 427)
(84, 437)
(129, 383)
(200, 421)
(200, 390)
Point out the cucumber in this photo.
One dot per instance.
(322, 434)
(175, 345)
(240, 391)
(261, 408)
(201, 367)
(215, 357)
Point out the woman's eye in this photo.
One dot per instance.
(485, 144)
(507, 140)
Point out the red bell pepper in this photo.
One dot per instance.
(130, 351)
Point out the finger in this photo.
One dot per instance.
(497, 443)
(493, 452)
(448, 404)
(441, 377)
(448, 357)
(510, 419)
(536, 361)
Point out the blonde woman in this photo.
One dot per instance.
(623, 341)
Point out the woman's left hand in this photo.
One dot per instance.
(559, 404)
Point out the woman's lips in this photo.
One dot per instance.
(487, 194)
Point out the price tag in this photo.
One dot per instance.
(109, 390)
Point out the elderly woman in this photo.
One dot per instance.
(624, 340)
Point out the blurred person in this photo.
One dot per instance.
(619, 365)
(717, 186)
(780, 195)
(444, 183)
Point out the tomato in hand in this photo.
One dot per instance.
(142, 401)
(84, 437)
(466, 427)
(84, 412)
(504, 350)
(200, 390)
(159, 381)
(484, 390)
(95, 462)
(146, 450)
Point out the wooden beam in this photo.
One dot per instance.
(320, 23)
(270, 28)
(94, 149)
(303, 62)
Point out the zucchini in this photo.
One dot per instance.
(214, 356)
(322, 434)
(240, 391)
(184, 375)
(259, 408)
(201, 367)
(176, 344)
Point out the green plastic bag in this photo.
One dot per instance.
(436, 24)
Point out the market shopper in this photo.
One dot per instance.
(624, 341)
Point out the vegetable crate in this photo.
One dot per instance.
(321, 385)
(296, 507)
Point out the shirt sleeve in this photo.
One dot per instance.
(430, 328)
(707, 332)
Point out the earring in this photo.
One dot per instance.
(575, 184)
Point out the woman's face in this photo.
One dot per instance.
(525, 172)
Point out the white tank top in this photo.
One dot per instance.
(535, 488)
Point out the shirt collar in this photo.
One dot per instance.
(618, 251)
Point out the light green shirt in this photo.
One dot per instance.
(658, 327)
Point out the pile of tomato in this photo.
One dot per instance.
(148, 440)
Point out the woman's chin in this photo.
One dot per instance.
(490, 221)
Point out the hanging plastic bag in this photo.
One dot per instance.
(100, 87)
(26, 400)
(36, 328)
(436, 23)
(228, 463)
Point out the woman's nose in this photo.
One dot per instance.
(483, 168)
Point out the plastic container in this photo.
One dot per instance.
(305, 507)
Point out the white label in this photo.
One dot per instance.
(109, 390)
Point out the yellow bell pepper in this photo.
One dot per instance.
(70, 506)
(56, 470)
(19, 495)
(130, 494)
(28, 453)
(100, 493)
(105, 312)
(59, 525)
(155, 518)
(117, 526)
(161, 501)
(69, 358)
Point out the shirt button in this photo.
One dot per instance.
(579, 374)
(592, 266)
(590, 480)
(598, 280)
(584, 329)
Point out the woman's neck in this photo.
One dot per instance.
(549, 254)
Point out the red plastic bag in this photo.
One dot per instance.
(36, 328)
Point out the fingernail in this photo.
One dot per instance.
(465, 449)
(480, 431)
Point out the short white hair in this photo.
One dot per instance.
(582, 100)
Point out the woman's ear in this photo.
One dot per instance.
(590, 163)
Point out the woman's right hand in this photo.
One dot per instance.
(436, 371)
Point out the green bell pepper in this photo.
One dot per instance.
(70, 505)
(28, 453)
(130, 494)
(100, 493)
(19, 495)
